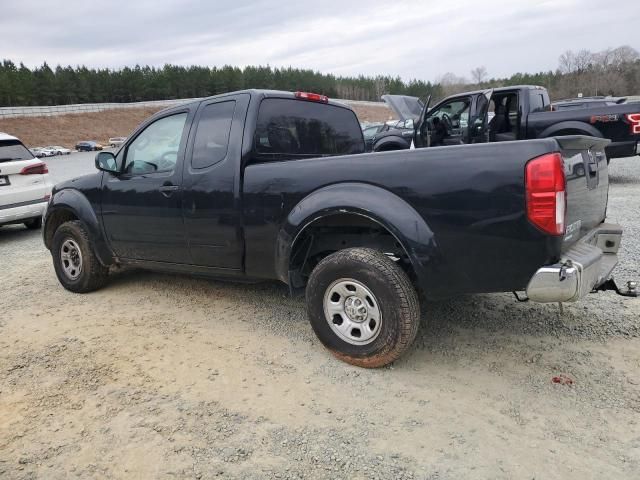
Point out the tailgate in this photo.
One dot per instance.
(587, 176)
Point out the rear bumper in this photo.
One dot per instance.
(582, 268)
(20, 213)
(623, 149)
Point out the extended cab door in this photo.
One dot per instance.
(141, 206)
(211, 188)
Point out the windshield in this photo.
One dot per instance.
(13, 150)
(370, 132)
(455, 113)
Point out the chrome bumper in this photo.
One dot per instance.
(584, 267)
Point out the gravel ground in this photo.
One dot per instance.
(160, 376)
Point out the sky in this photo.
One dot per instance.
(412, 39)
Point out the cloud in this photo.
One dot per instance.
(412, 39)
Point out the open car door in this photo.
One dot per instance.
(421, 129)
(479, 121)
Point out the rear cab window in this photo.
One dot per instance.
(13, 150)
(290, 129)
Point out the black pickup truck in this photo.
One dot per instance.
(275, 185)
(515, 113)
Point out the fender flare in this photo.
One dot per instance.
(391, 139)
(570, 125)
(376, 203)
(73, 201)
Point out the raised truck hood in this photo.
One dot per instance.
(404, 106)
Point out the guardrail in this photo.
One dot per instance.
(48, 111)
(8, 112)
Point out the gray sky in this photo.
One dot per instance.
(413, 39)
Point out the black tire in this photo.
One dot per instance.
(392, 289)
(93, 274)
(33, 223)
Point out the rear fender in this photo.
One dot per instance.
(74, 202)
(375, 203)
(570, 125)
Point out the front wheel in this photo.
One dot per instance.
(363, 307)
(76, 266)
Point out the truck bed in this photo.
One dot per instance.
(472, 197)
(607, 121)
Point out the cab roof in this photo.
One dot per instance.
(256, 92)
(499, 89)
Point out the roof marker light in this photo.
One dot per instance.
(312, 97)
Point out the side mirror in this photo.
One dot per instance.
(106, 162)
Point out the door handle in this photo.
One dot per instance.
(168, 189)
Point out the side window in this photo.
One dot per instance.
(454, 114)
(536, 102)
(156, 148)
(289, 129)
(212, 135)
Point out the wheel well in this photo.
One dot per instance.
(54, 220)
(337, 232)
(388, 147)
(569, 131)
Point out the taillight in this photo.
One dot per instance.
(546, 193)
(312, 97)
(634, 121)
(37, 169)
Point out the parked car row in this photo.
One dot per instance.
(49, 151)
(82, 146)
(88, 146)
(115, 142)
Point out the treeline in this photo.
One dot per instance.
(43, 85)
(610, 72)
(614, 71)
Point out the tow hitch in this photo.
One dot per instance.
(630, 291)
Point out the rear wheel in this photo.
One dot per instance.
(363, 307)
(33, 223)
(76, 266)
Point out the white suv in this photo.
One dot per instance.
(25, 187)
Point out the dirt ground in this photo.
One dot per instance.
(161, 376)
(67, 130)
